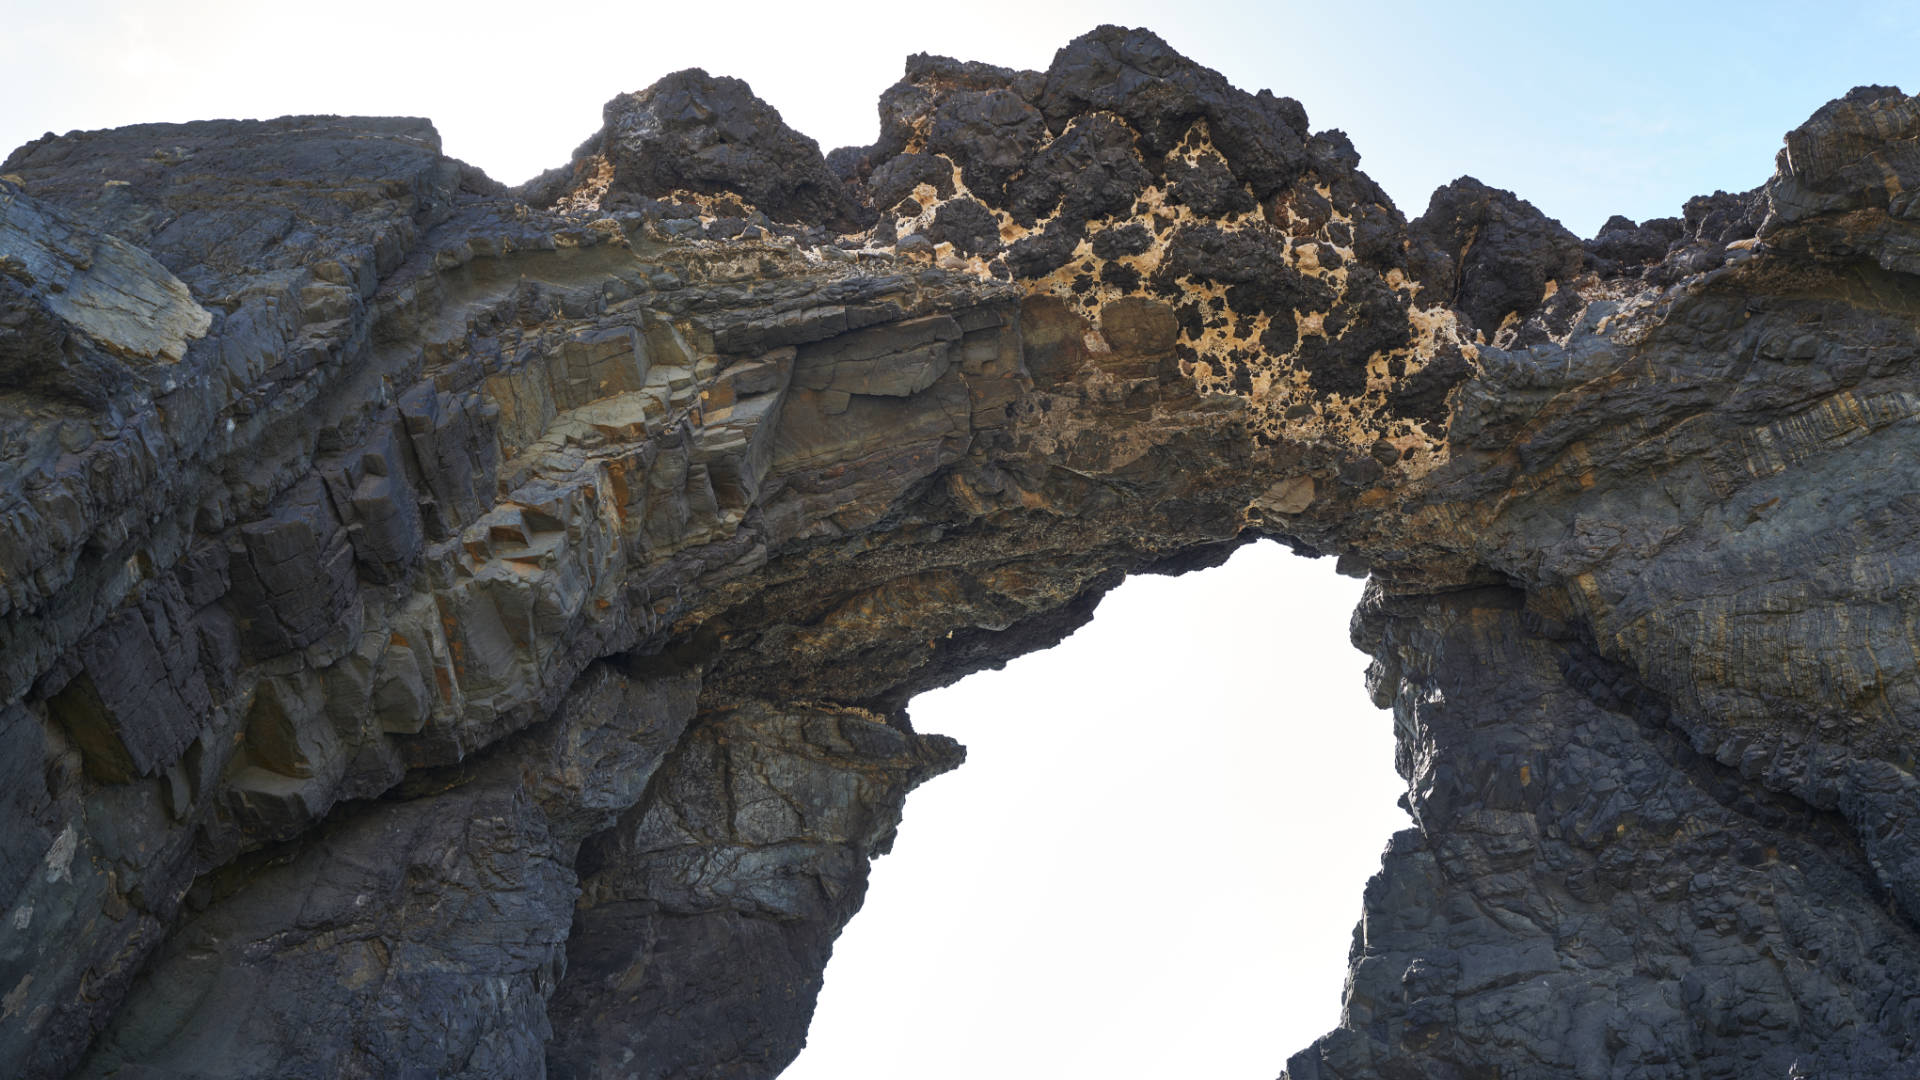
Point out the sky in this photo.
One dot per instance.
(1585, 109)
(1151, 864)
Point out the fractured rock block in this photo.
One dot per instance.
(124, 708)
(118, 294)
(893, 360)
(375, 497)
(612, 732)
(525, 399)
(487, 646)
(598, 364)
(401, 702)
(667, 512)
(431, 936)
(455, 449)
(273, 805)
(293, 578)
(740, 413)
(287, 730)
(842, 468)
(204, 574)
(387, 533)
(712, 907)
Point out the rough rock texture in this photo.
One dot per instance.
(455, 631)
(694, 133)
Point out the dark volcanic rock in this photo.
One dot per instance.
(694, 132)
(1622, 247)
(1509, 721)
(709, 912)
(1847, 178)
(967, 225)
(429, 934)
(1861, 151)
(1503, 252)
(1161, 95)
(1091, 171)
(454, 631)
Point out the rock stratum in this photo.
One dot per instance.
(452, 630)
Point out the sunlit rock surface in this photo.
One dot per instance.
(452, 630)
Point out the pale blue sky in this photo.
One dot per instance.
(1586, 109)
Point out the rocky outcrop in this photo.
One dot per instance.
(693, 133)
(465, 631)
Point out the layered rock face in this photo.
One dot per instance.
(452, 630)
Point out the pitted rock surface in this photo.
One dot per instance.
(464, 631)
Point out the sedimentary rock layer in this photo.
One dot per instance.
(453, 630)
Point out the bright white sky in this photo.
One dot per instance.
(1152, 863)
(1588, 109)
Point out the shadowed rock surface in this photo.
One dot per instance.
(454, 631)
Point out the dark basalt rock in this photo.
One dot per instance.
(1623, 248)
(1422, 396)
(1046, 251)
(796, 805)
(1450, 988)
(1503, 252)
(695, 132)
(989, 131)
(1843, 186)
(1857, 152)
(897, 179)
(1090, 171)
(1111, 244)
(1369, 319)
(1209, 188)
(458, 631)
(1161, 95)
(967, 225)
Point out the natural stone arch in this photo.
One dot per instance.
(410, 500)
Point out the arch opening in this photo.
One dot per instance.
(1152, 862)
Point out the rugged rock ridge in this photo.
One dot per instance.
(467, 631)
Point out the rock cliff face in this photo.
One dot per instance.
(451, 630)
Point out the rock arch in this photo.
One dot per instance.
(471, 628)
